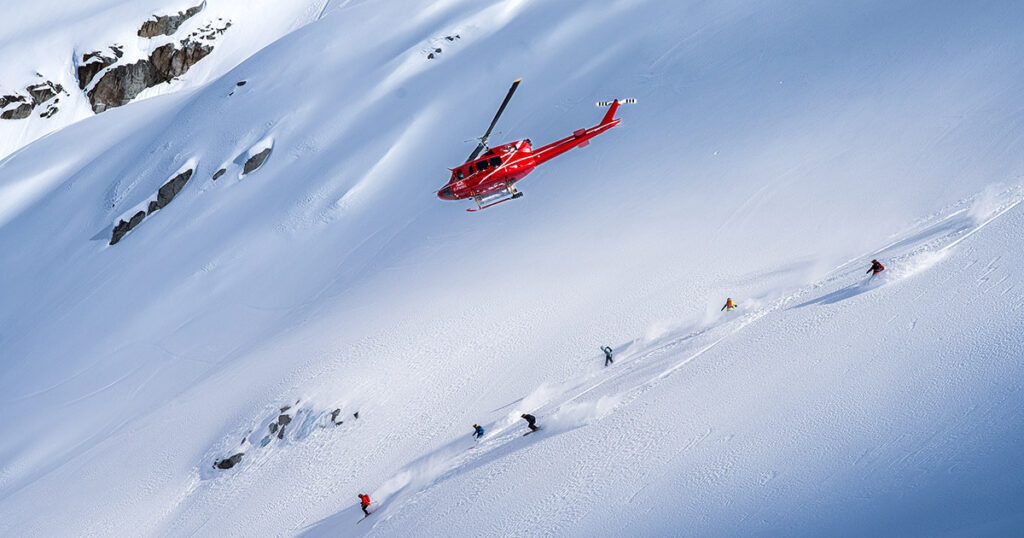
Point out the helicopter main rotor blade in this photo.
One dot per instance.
(483, 139)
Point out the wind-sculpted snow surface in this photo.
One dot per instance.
(777, 148)
(643, 365)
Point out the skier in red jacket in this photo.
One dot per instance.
(364, 501)
(876, 267)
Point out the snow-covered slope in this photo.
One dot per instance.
(776, 148)
(46, 41)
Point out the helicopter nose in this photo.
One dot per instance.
(445, 193)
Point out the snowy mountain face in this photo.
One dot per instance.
(232, 302)
(62, 63)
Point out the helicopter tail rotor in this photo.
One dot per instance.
(629, 101)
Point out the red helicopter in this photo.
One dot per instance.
(490, 179)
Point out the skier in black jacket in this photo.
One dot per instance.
(531, 421)
(607, 355)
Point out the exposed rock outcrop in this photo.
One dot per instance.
(437, 50)
(42, 93)
(164, 196)
(124, 227)
(35, 95)
(8, 99)
(291, 424)
(256, 161)
(172, 62)
(219, 173)
(168, 24)
(19, 112)
(119, 82)
(169, 190)
(230, 462)
(94, 62)
(120, 85)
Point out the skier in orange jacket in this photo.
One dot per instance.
(364, 501)
(729, 305)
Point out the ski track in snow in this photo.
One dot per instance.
(773, 144)
(639, 366)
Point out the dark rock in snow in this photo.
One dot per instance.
(22, 111)
(284, 420)
(240, 83)
(173, 62)
(255, 161)
(94, 62)
(37, 95)
(121, 84)
(136, 219)
(219, 173)
(42, 93)
(8, 99)
(171, 189)
(124, 227)
(228, 463)
(168, 24)
(119, 230)
(430, 56)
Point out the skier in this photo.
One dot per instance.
(478, 431)
(531, 421)
(364, 501)
(729, 305)
(607, 355)
(876, 267)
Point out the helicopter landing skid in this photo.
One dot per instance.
(485, 202)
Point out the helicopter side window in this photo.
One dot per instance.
(495, 161)
(469, 169)
(458, 174)
(481, 166)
